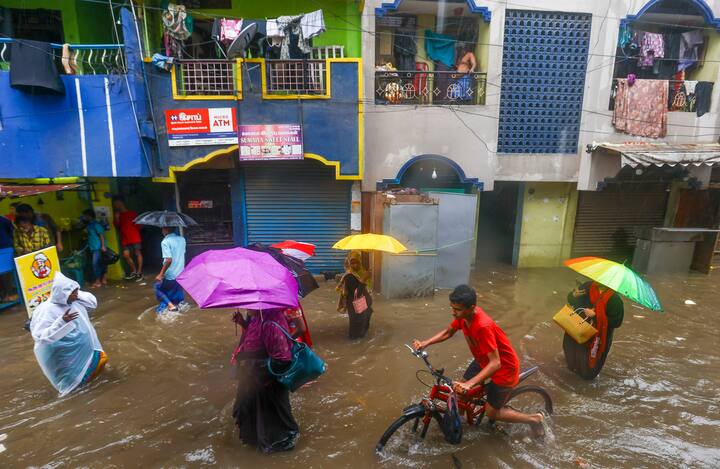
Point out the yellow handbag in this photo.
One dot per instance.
(575, 325)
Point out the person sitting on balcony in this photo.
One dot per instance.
(466, 65)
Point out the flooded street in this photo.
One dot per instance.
(166, 396)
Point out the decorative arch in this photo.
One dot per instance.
(384, 8)
(172, 170)
(432, 158)
(700, 5)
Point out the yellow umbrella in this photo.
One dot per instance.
(370, 242)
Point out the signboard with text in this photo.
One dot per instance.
(197, 127)
(270, 142)
(36, 272)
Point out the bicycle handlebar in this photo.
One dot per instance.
(438, 374)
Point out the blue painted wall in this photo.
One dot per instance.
(330, 126)
(40, 135)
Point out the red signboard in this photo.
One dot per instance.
(206, 126)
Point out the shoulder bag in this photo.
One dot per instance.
(578, 327)
(305, 365)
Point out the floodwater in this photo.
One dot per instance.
(165, 397)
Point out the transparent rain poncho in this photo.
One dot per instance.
(64, 350)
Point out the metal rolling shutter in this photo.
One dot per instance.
(301, 201)
(608, 221)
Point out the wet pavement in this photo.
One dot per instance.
(166, 395)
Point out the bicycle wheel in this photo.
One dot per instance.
(408, 426)
(530, 400)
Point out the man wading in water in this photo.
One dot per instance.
(495, 358)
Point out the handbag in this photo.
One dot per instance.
(576, 326)
(109, 257)
(359, 303)
(305, 365)
(451, 423)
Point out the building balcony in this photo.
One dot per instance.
(323, 96)
(94, 124)
(431, 88)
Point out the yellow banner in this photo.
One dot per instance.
(36, 272)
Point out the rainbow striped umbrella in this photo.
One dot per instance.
(617, 277)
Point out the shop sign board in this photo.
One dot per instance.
(37, 272)
(270, 142)
(205, 126)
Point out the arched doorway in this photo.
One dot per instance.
(432, 173)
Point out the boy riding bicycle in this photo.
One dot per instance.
(495, 358)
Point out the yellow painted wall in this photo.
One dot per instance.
(67, 212)
(548, 220)
(709, 70)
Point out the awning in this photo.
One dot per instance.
(13, 190)
(671, 154)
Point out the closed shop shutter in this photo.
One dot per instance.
(299, 200)
(609, 221)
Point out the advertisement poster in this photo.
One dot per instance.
(197, 127)
(270, 142)
(36, 272)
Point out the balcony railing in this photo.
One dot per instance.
(291, 77)
(679, 100)
(425, 87)
(207, 78)
(83, 59)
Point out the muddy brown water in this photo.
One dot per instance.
(165, 397)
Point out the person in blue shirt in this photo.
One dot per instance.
(97, 245)
(168, 292)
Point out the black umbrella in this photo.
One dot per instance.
(306, 281)
(165, 218)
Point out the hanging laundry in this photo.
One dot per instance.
(292, 38)
(32, 68)
(440, 47)
(163, 62)
(229, 30)
(178, 23)
(669, 65)
(690, 86)
(312, 24)
(703, 93)
(404, 49)
(272, 29)
(652, 47)
(642, 109)
(690, 43)
(625, 36)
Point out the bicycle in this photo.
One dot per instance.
(472, 404)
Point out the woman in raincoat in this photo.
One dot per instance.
(605, 309)
(66, 344)
(355, 298)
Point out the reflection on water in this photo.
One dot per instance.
(165, 397)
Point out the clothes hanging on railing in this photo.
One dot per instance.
(312, 24)
(652, 47)
(703, 93)
(33, 69)
(404, 49)
(229, 30)
(690, 43)
(440, 47)
(294, 45)
(641, 109)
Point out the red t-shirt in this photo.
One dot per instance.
(483, 336)
(129, 231)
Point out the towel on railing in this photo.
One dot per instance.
(32, 68)
(642, 109)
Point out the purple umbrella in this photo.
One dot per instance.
(239, 278)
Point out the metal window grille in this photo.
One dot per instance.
(296, 77)
(207, 77)
(543, 80)
(328, 52)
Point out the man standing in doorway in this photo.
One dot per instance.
(129, 237)
(495, 358)
(168, 292)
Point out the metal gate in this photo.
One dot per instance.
(455, 245)
(609, 221)
(298, 200)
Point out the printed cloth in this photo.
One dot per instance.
(652, 47)
(230, 29)
(642, 108)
